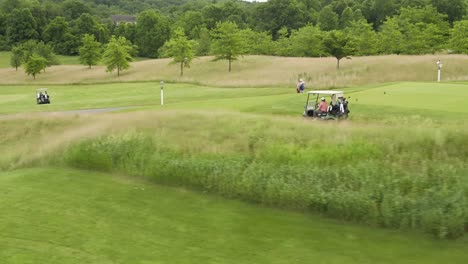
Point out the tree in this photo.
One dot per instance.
(257, 43)
(459, 37)
(276, 14)
(203, 43)
(180, 49)
(56, 33)
(307, 42)
(227, 43)
(152, 32)
(17, 57)
(376, 11)
(337, 44)
(455, 9)
(328, 19)
(34, 65)
(90, 52)
(283, 46)
(9, 5)
(86, 24)
(390, 37)
(347, 17)
(424, 30)
(192, 22)
(47, 52)
(73, 9)
(40, 49)
(363, 38)
(3, 39)
(21, 26)
(117, 54)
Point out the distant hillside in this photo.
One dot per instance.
(260, 71)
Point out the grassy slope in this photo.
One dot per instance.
(69, 216)
(255, 71)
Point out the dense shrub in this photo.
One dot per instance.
(353, 180)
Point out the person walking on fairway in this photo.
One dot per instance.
(300, 86)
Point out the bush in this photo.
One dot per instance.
(352, 180)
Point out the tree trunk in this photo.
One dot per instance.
(118, 71)
(229, 65)
(337, 64)
(182, 69)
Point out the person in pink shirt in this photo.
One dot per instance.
(323, 106)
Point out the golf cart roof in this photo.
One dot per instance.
(41, 90)
(330, 92)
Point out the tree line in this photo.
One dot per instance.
(301, 28)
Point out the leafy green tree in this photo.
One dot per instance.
(227, 42)
(283, 44)
(47, 52)
(276, 14)
(203, 46)
(152, 32)
(192, 22)
(328, 19)
(34, 65)
(459, 37)
(338, 44)
(233, 11)
(21, 26)
(390, 38)
(90, 52)
(307, 42)
(363, 38)
(454, 9)
(40, 49)
(86, 24)
(17, 57)
(56, 33)
(3, 39)
(9, 5)
(339, 6)
(424, 30)
(376, 11)
(40, 16)
(257, 43)
(180, 49)
(212, 15)
(347, 17)
(117, 54)
(422, 38)
(73, 9)
(127, 30)
(358, 15)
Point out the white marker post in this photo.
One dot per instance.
(162, 93)
(439, 69)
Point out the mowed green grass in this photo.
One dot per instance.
(424, 100)
(56, 215)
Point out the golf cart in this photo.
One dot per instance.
(42, 97)
(336, 108)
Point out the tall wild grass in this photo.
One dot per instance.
(388, 176)
(261, 71)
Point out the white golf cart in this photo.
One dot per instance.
(42, 96)
(336, 105)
